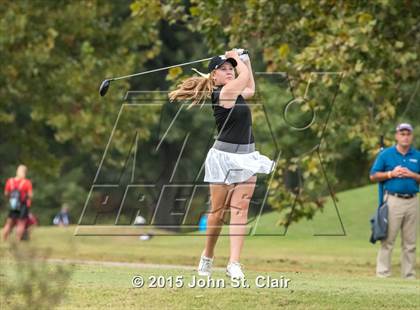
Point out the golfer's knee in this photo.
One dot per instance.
(215, 217)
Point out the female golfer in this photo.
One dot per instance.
(232, 162)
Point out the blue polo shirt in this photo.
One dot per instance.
(388, 159)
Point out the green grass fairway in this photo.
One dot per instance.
(98, 287)
(325, 272)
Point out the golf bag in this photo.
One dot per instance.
(379, 223)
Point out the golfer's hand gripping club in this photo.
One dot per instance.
(243, 54)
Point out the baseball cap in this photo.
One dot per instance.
(404, 126)
(217, 61)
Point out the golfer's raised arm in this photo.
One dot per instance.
(249, 90)
(234, 88)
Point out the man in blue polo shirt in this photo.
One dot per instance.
(398, 167)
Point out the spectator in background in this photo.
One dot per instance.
(18, 191)
(62, 218)
(399, 168)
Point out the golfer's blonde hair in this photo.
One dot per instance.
(196, 88)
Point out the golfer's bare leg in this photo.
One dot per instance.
(6, 229)
(239, 206)
(219, 198)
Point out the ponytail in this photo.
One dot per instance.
(196, 88)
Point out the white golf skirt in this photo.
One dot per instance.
(230, 163)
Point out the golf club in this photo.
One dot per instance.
(105, 83)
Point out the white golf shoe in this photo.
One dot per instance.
(234, 270)
(204, 267)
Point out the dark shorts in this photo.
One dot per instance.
(21, 214)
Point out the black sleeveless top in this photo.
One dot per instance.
(234, 125)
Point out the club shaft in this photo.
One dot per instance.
(160, 69)
(166, 68)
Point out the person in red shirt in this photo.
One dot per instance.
(18, 217)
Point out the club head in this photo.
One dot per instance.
(104, 87)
